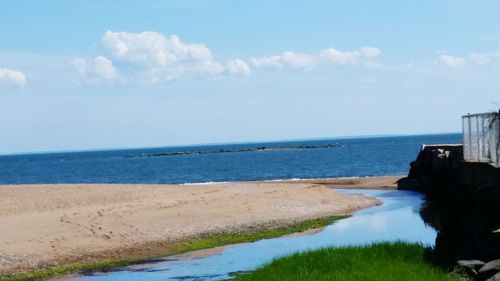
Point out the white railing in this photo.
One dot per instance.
(481, 134)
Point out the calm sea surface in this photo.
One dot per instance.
(220, 163)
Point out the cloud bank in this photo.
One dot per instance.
(474, 58)
(301, 61)
(154, 57)
(288, 59)
(11, 77)
(451, 61)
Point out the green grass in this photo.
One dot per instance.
(227, 239)
(209, 241)
(379, 262)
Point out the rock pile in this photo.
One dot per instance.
(479, 270)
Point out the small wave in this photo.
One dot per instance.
(204, 183)
(317, 179)
(292, 179)
(272, 180)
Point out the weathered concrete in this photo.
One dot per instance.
(441, 167)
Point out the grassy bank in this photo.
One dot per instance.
(379, 262)
(169, 249)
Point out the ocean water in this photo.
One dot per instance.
(356, 157)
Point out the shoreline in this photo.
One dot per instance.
(157, 252)
(366, 182)
(55, 225)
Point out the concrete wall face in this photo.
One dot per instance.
(481, 134)
(495, 146)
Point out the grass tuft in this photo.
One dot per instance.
(378, 262)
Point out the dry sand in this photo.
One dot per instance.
(46, 225)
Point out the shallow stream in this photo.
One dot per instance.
(397, 219)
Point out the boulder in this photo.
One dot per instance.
(491, 266)
(495, 277)
(471, 263)
(469, 267)
(489, 271)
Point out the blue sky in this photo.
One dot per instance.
(106, 74)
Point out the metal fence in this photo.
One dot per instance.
(482, 138)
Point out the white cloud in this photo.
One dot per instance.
(238, 67)
(299, 61)
(267, 62)
(339, 57)
(10, 77)
(452, 61)
(99, 68)
(80, 65)
(349, 57)
(104, 68)
(153, 49)
(288, 59)
(476, 58)
(370, 52)
(484, 58)
(153, 57)
(479, 58)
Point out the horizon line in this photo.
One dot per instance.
(225, 143)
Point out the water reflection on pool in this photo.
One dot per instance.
(396, 219)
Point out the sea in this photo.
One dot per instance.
(285, 160)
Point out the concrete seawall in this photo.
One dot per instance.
(440, 169)
(463, 205)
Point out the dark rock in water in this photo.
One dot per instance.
(229, 150)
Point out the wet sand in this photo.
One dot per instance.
(385, 182)
(48, 225)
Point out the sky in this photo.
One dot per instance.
(81, 75)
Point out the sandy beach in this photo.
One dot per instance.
(47, 225)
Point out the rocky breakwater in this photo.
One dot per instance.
(463, 205)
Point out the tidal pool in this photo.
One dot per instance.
(396, 219)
